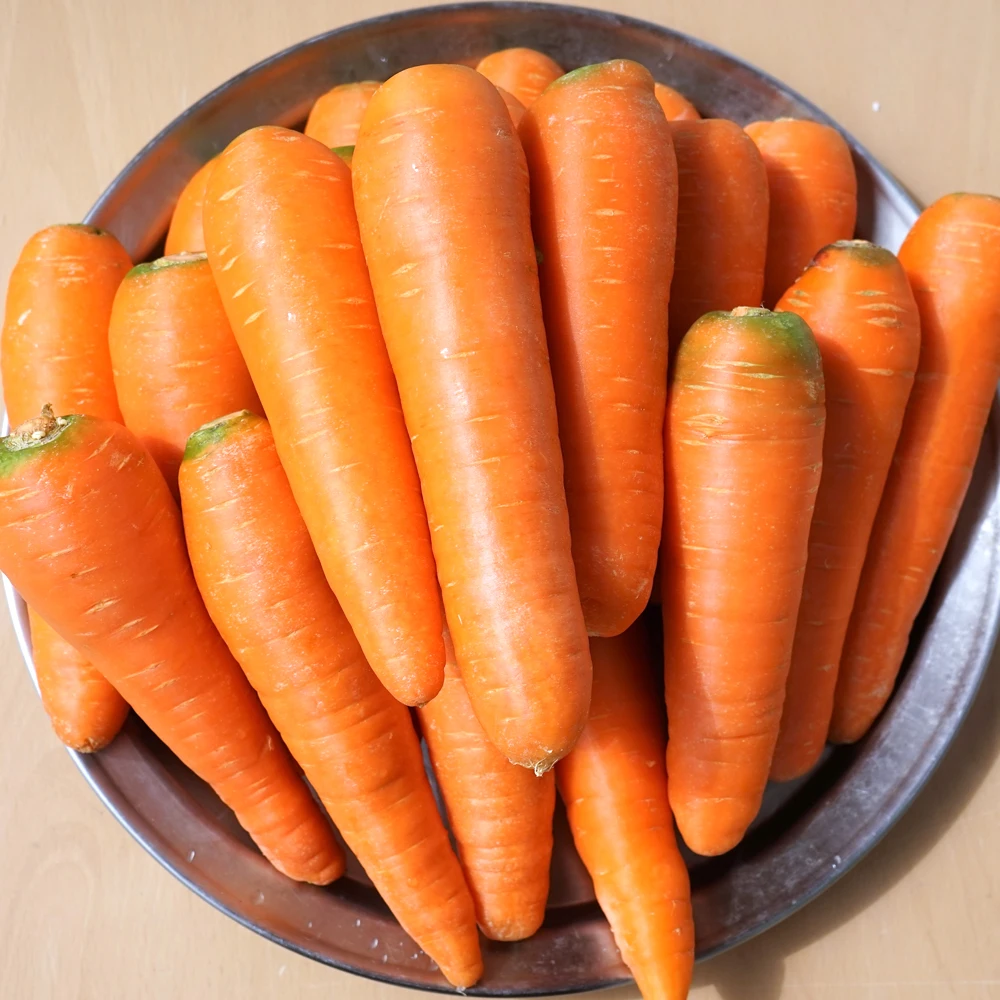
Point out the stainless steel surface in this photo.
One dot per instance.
(809, 833)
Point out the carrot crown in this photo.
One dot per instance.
(26, 439)
(174, 260)
(217, 430)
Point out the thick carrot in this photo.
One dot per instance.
(186, 233)
(500, 814)
(55, 350)
(55, 332)
(614, 784)
(675, 105)
(355, 742)
(175, 360)
(858, 304)
(744, 447)
(442, 193)
(525, 73)
(85, 710)
(721, 222)
(814, 195)
(336, 116)
(284, 248)
(514, 106)
(952, 259)
(604, 211)
(92, 538)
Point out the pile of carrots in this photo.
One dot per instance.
(409, 416)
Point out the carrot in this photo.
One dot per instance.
(856, 300)
(814, 195)
(744, 453)
(514, 106)
(442, 193)
(54, 350)
(186, 233)
(336, 116)
(355, 742)
(175, 360)
(604, 208)
(524, 73)
(675, 105)
(614, 784)
(55, 331)
(721, 222)
(952, 260)
(500, 814)
(92, 538)
(85, 710)
(284, 248)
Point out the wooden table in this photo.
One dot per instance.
(84, 912)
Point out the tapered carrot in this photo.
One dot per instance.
(514, 106)
(500, 814)
(85, 710)
(442, 192)
(355, 742)
(675, 105)
(525, 73)
(92, 538)
(175, 360)
(55, 350)
(952, 260)
(284, 248)
(721, 222)
(858, 304)
(604, 211)
(186, 233)
(814, 195)
(744, 438)
(336, 116)
(614, 784)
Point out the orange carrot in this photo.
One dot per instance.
(86, 711)
(442, 193)
(500, 814)
(284, 248)
(525, 73)
(858, 304)
(721, 222)
(604, 209)
(186, 233)
(55, 332)
(814, 195)
(514, 106)
(952, 259)
(175, 360)
(91, 537)
(744, 439)
(55, 350)
(336, 116)
(675, 105)
(614, 784)
(355, 742)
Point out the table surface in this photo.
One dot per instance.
(84, 912)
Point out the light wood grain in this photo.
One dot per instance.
(84, 913)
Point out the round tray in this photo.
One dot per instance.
(809, 832)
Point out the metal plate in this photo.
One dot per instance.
(810, 832)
